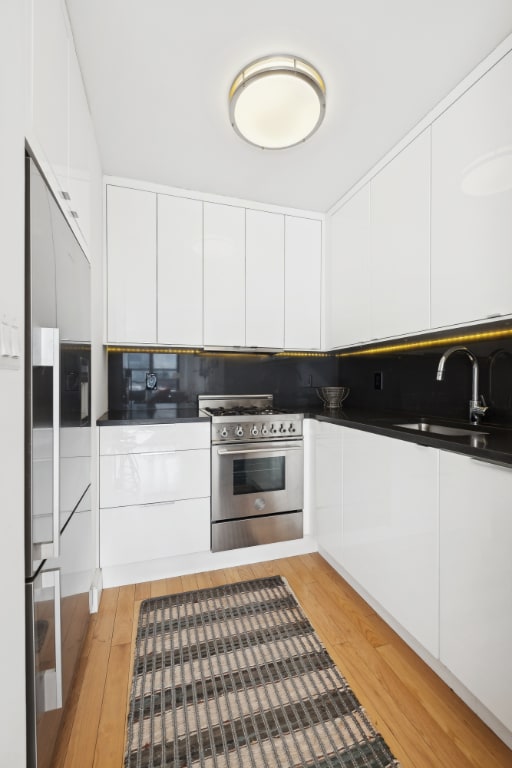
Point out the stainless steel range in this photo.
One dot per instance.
(257, 471)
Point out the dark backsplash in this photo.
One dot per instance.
(181, 377)
(408, 379)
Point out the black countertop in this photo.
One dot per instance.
(494, 446)
(173, 414)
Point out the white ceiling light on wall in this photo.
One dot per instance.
(277, 101)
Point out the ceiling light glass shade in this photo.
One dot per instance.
(277, 102)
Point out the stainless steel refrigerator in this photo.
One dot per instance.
(59, 556)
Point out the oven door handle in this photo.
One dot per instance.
(260, 450)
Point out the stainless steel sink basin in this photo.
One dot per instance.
(440, 429)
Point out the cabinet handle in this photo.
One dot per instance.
(46, 353)
(275, 449)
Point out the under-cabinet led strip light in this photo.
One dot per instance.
(376, 350)
(426, 343)
(183, 351)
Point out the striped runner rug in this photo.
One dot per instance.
(236, 677)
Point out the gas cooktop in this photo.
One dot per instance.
(240, 410)
(249, 417)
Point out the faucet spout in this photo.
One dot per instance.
(477, 407)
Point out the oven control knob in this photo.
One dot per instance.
(273, 429)
(224, 432)
(239, 431)
(254, 430)
(264, 430)
(282, 428)
(291, 428)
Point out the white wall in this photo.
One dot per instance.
(12, 636)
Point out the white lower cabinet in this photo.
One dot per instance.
(389, 536)
(427, 535)
(328, 486)
(476, 579)
(154, 492)
(150, 531)
(149, 478)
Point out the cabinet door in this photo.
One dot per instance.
(400, 242)
(80, 141)
(141, 533)
(154, 438)
(390, 528)
(264, 284)
(471, 202)
(303, 274)
(180, 271)
(348, 272)
(150, 478)
(224, 275)
(50, 89)
(73, 282)
(476, 579)
(328, 487)
(131, 265)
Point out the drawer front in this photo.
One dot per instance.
(140, 533)
(154, 438)
(148, 478)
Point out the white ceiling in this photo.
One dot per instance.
(157, 74)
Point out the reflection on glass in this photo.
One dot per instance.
(258, 475)
(490, 174)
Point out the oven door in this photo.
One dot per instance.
(250, 479)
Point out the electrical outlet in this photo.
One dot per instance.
(378, 380)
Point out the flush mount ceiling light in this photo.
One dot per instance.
(277, 102)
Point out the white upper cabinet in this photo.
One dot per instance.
(224, 275)
(303, 276)
(80, 130)
(264, 284)
(180, 271)
(50, 90)
(131, 253)
(378, 273)
(58, 125)
(186, 272)
(472, 202)
(476, 579)
(348, 273)
(400, 242)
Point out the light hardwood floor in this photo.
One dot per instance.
(424, 722)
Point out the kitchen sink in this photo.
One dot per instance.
(440, 429)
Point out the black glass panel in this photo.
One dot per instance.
(258, 475)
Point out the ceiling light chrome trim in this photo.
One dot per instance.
(283, 65)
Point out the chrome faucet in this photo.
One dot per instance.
(477, 406)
